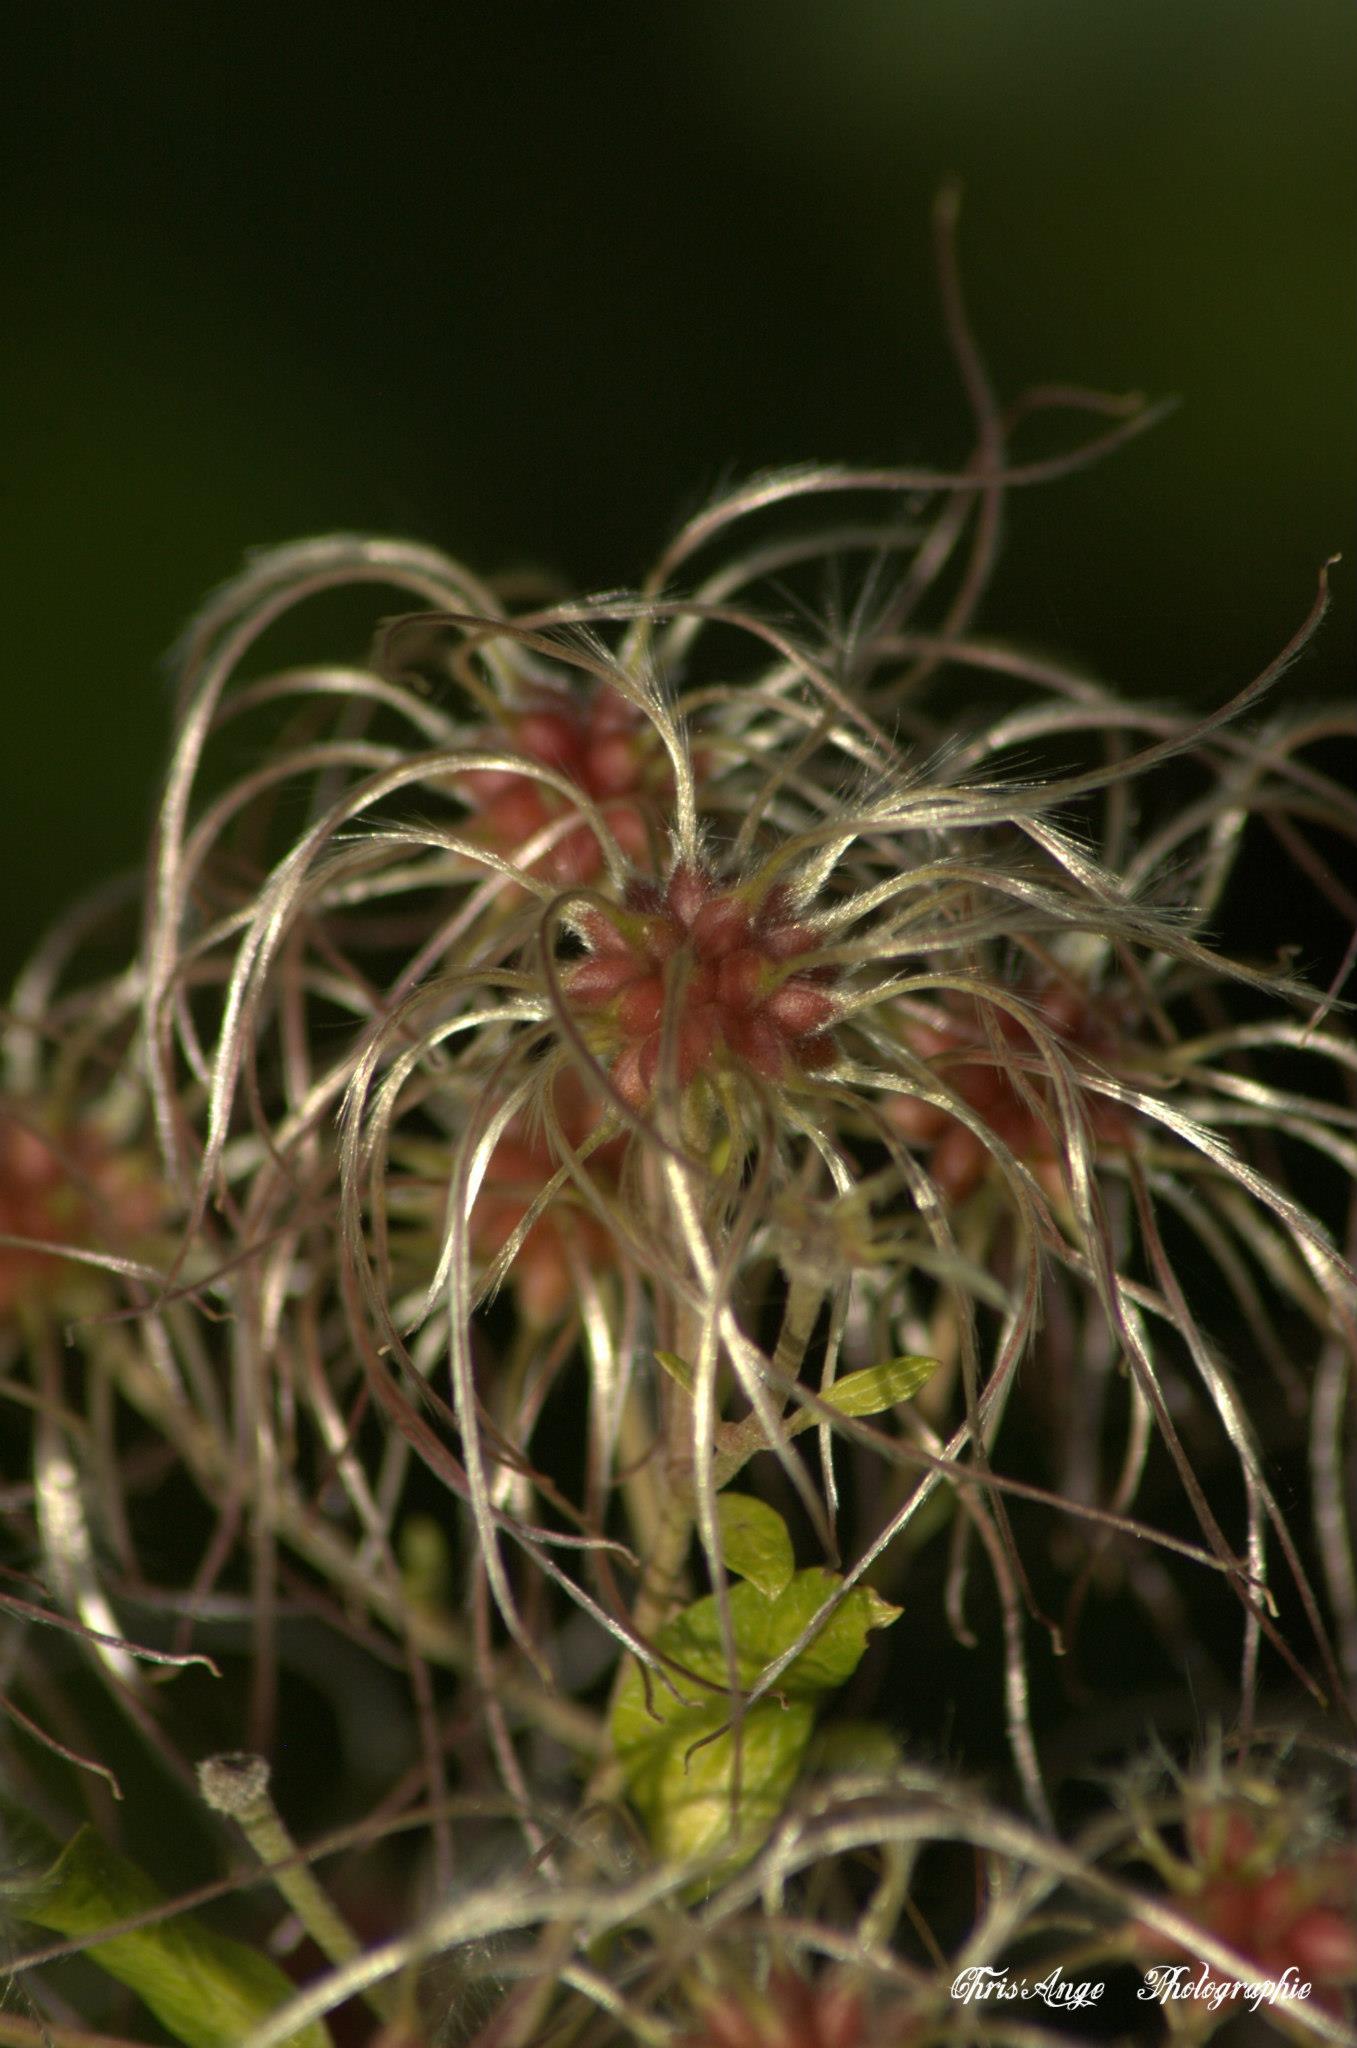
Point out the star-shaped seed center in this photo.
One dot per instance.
(694, 963)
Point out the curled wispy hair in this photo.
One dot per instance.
(947, 992)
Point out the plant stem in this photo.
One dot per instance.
(661, 1576)
(238, 1786)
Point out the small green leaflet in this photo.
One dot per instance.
(857, 1395)
(754, 1542)
(686, 1793)
(855, 1749)
(206, 1990)
(677, 1369)
(878, 1387)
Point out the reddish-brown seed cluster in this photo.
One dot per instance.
(543, 1271)
(790, 2014)
(606, 748)
(698, 954)
(63, 1186)
(1002, 1075)
(1299, 1915)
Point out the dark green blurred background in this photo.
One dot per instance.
(530, 280)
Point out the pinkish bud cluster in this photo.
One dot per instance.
(983, 1065)
(63, 1186)
(791, 2014)
(1297, 1913)
(699, 953)
(543, 1274)
(606, 748)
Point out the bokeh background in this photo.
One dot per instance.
(530, 280)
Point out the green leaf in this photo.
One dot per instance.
(837, 1650)
(754, 1542)
(880, 1386)
(687, 1795)
(855, 1749)
(206, 1990)
(764, 1628)
(677, 1369)
(425, 1564)
(858, 1394)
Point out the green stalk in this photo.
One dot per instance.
(238, 1786)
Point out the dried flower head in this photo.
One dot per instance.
(605, 1051)
(1265, 1872)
